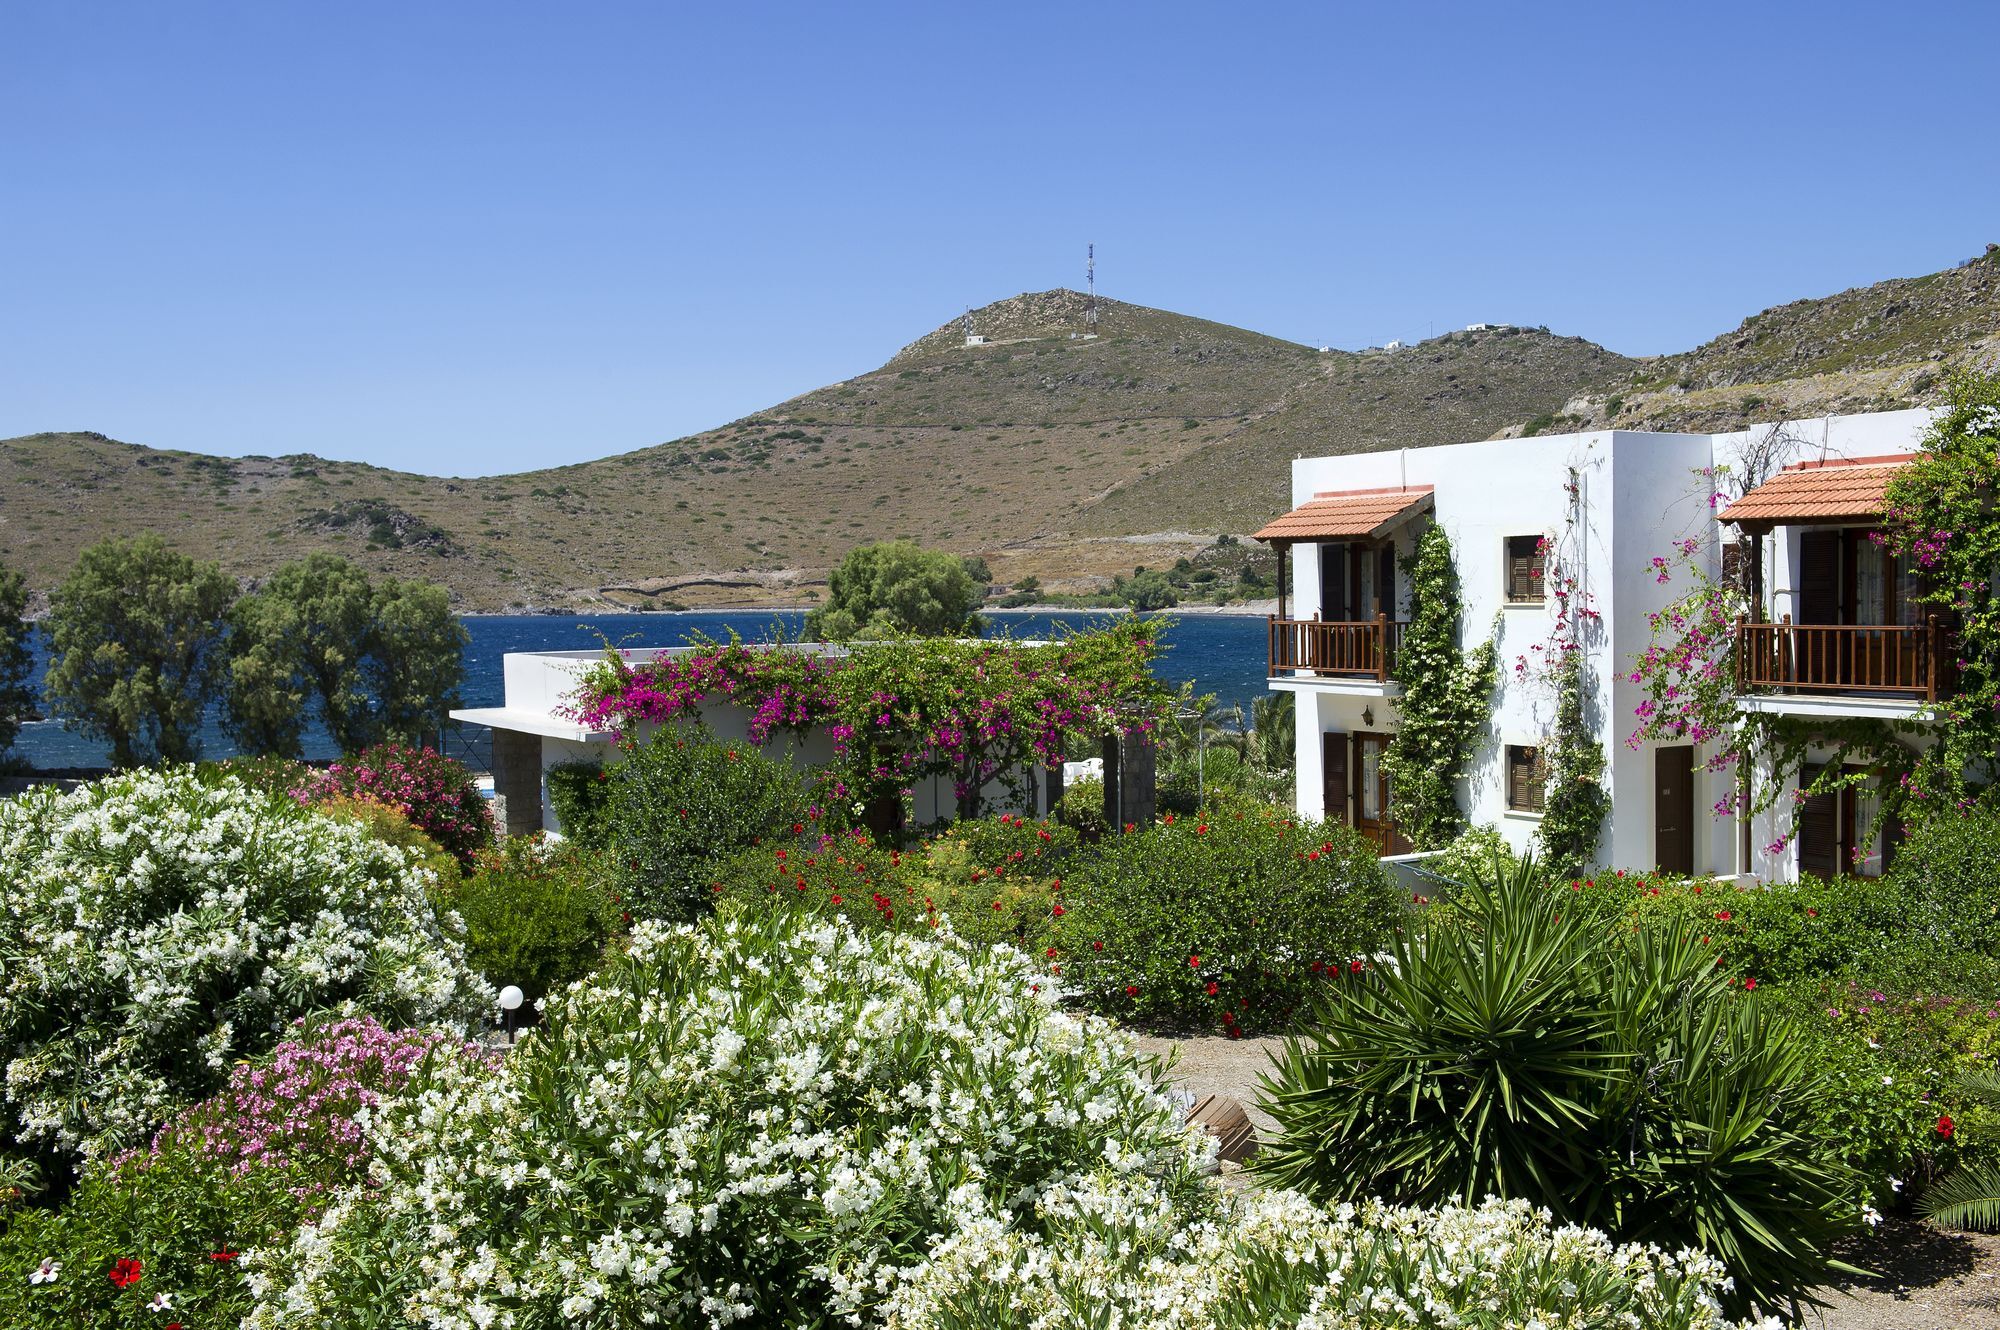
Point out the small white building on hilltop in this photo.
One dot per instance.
(1839, 636)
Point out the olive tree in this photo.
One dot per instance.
(136, 639)
(897, 586)
(17, 697)
(321, 640)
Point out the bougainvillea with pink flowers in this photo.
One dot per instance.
(973, 712)
(436, 793)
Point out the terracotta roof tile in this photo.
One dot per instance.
(1842, 489)
(1348, 514)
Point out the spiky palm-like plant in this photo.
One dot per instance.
(1517, 1046)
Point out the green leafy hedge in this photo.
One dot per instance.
(1231, 919)
(682, 801)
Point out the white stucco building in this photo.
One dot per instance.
(1602, 506)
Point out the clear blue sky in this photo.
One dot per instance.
(466, 238)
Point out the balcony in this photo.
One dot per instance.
(1908, 663)
(1362, 650)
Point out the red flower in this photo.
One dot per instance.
(1945, 1127)
(1052, 951)
(1130, 991)
(1211, 988)
(1097, 946)
(836, 900)
(1749, 983)
(1811, 913)
(1723, 915)
(1354, 967)
(128, 1271)
(1057, 910)
(222, 1255)
(1194, 962)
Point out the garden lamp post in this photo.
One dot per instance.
(511, 998)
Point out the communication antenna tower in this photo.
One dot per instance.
(966, 322)
(1090, 285)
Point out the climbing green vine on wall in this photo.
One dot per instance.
(1445, 699)
(1575, 801)
(1943, 517)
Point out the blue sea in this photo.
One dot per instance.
(1222, 653)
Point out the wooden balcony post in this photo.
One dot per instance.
(1931, 659)
(1381, 648)
(1742, 654)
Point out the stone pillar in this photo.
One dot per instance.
(1137, 790)
(517, 781)
(1130, 791)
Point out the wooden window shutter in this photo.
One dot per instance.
(1819, 577)
(1385, 582)
(1524, 779)
(1819, 829)
(1525, 567)
(1333, 767)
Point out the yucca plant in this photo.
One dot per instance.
(1969, 1196)
(1517, 1047)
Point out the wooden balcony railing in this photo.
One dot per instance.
(1363, 649)
(1910, 660)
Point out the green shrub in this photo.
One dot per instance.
(1231, 918)
(1082, 807)
(995, 879)
(1611, 1074)
(1946, 876)
(1217, 774)
(580, 794)
(681, 801)
(537, 914)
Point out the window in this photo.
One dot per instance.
(1526, 556)
(1527, 782)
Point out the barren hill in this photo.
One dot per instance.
(1047, 449)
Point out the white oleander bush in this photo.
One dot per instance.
(1117, 1255)
(155, 928)
(773, 1118)
(762, 1118)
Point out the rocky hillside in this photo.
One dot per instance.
(1873, 348)
(1046, 449)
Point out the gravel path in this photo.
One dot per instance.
(1929, 1280)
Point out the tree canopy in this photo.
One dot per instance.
(321, 640)
(17, 698)
(136, 634)
(896, 587)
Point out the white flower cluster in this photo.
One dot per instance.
(759, 1120)
(1116, 1256)
(158, 926)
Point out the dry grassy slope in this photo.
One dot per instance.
(1446, 390)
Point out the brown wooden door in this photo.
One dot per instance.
(1374, 802)
(1333, 777)
(1333, 582)
(1673, 809)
